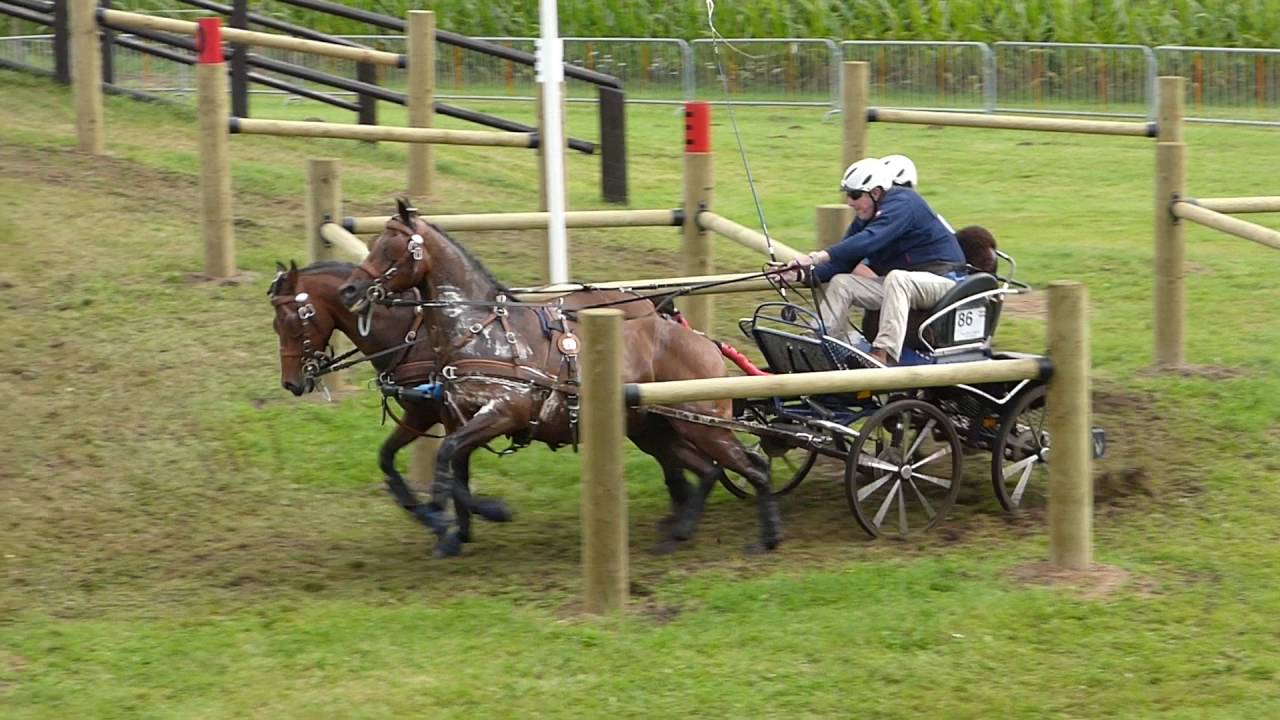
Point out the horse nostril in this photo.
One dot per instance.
(297, 391)
(347, 292)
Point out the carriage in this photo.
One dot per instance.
(903, 452)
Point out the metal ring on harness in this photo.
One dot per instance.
(475, 329)
(449, 372)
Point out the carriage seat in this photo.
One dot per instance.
(977, 319)
(786, 352)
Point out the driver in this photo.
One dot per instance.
(914, 255)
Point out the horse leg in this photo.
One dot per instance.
(453, 455)
(651, 442)
(464, 503)
(416, 416)
(723, 447)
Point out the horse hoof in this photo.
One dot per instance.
(665, 547)
(665, 524)
(450, 546)
(491, 509)
(762, 547)
(435, 520)
(682, 531)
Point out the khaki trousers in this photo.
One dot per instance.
(894, 295)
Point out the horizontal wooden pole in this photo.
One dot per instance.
(745, 236)
(121, 18)
(732, 283)
(1239, 204)
(835, 381)
(528, 220)
(345, 131)
(343, 241)
(1012, 122)
(1227, 224)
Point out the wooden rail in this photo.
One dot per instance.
(1227, 224)
(347, 131)
(121, 18)
(528, 220)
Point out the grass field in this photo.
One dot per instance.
(179, 537)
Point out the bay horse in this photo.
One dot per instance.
(509, 370)
(308, 311)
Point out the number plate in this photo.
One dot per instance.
(971, 323)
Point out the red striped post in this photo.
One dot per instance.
(698, 186)
(215, 161)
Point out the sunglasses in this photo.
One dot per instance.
(855, 194)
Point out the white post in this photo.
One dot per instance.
(550, 66)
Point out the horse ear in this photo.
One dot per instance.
(280, 266)
(402, 209)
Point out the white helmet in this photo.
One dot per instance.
(866, 174)
(901, 169)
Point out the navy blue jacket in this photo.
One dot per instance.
(904, 234)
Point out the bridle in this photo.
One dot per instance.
(414, 253)
(314, 362)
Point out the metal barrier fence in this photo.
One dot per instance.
(1075, 79)
(33, 51)
(1227, 85)
(927, 75)
(763, 71)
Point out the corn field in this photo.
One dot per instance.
(1218, 23)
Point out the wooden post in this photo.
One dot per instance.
(1170, 250)
(545, 249)
(1169, 120)
(324, 203)
(696, 248)
(1067, 406)
(855, 90)
(422, 97)
(604, 491)
(215, 161)
(86, 58)
(832, 221)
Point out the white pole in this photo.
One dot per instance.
(551, 75)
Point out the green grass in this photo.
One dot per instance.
(181, 538)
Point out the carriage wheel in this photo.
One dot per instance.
(904, 471)
(788, 468)
(1020, 453)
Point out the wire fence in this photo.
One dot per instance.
(1225, 85)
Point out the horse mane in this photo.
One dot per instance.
(335, 268)
(471, 258)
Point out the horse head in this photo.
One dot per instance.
(397, 261)
(303, 327)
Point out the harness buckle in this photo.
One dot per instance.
(475, 328)
(411, 336)
(449, 372)
(511, 338)
(306, 312)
